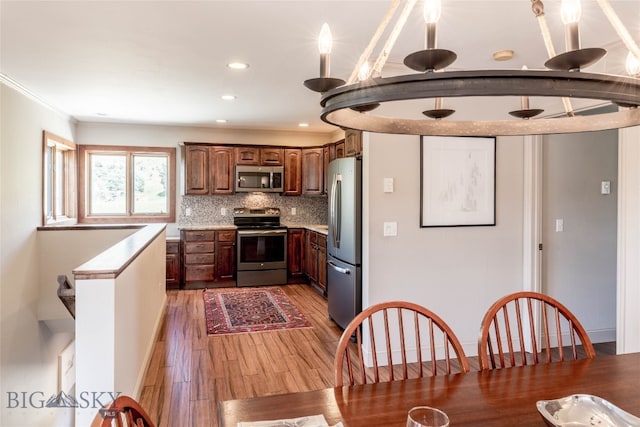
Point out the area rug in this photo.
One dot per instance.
(230, 311)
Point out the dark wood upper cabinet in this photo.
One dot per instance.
(210, 169)
(247, 155)
(292, 172)
(222, 170)
(325, 168)
(312, 171)
(197, 169)
(272, 156)
(340, 149)
(259, 156)
(352, 143)
(332, 151)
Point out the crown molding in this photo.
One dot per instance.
(9, 82)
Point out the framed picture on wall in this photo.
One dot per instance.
(457, 181)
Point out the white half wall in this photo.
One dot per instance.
(117, 320)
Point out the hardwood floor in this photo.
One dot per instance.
(190, 372)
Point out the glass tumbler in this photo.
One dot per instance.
(425, 416)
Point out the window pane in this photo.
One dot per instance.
(150, 184)
(108, 184)
(48, 181)
(59, 183)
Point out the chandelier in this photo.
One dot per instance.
(352, 104)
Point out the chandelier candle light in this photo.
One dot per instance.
(324, 82)
(350, 105)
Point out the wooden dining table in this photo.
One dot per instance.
(504, 397)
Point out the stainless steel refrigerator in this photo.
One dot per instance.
(344, 241)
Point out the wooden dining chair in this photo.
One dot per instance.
(405, 340)
(528, 328)
(122, 412)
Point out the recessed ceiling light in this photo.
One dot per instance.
(102, 114)
(228, 97)
(238, 65)
(221, 121)
(303, 125)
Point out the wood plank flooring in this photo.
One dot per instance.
(190, 372)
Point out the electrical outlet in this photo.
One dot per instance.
(293, 211)
(223, 211)
(187, 212)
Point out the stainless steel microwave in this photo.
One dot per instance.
(259, 178)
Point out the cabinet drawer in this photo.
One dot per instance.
(173, 247)
(198, 272)
(199, 236)
(199, 247)
(199, 259)
(322, 240)
(227, 236)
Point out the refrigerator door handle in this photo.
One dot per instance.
(338, 269)
(336, 210)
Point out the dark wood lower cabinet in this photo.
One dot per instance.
(315, 256)
(208, 258)
(322, 262)
(173, 265)
(225, 256)
(295, 255)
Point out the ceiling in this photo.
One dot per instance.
(164, 62)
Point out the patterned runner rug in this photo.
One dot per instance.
(230, 311)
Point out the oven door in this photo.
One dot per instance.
(262, 249)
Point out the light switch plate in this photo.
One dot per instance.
(388, 185)
(605, 187)
(390, 229)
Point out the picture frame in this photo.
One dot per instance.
(457, 181)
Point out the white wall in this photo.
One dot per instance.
(628, 297)
(458, 272)
(59, 252)
(29, 350)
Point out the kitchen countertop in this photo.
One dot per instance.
(207, 227)
(318, 228)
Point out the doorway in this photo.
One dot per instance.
(579, 227)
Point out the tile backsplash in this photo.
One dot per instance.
(207, 210)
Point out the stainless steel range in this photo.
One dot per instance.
(262, 247)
